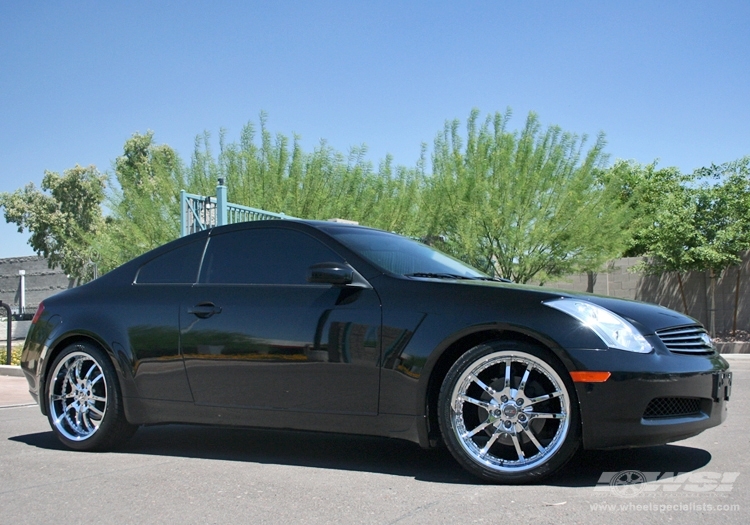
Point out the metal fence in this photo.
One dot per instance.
(200, 212)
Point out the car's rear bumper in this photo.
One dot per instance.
(633, 409)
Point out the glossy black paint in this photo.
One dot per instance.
(365, 354)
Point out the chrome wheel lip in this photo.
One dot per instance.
(77, 396)
(510, 409)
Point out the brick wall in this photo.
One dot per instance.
(41, 281)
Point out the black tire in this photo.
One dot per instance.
(508, 412)
(84, 403)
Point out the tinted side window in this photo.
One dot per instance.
(263, 256)
(178, 266)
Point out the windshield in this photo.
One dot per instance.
(400, 255)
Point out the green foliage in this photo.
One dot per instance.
(723, 214)
(528, 204)
(15, 355)
(264, 171)
(689, 222)
(277, 175)
(63, 221)
(144, 203)
(661, 204)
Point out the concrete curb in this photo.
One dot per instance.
(733, 348)
(11, 370)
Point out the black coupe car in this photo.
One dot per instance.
(330, 327)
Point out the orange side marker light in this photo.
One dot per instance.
(586, 376)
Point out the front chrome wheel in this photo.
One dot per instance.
(77, 396)
(507, 414)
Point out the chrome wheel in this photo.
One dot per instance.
(77, 396)
(84, 403)
(507, 414)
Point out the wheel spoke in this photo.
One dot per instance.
(69, 375)
(480, 383)
(92, 369)
(534, 440)
(522, 385)
(76, 420)
(88, 424)
(96, 411)
(60, 397)
(477, 402)
(542, 415)
(545, 397)
(506, 384)
(517, 446)
(468, 435)
(489, 444)
(96, 379)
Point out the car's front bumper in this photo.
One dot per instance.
(679, 397)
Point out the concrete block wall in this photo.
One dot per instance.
(41, 281)
(619, 280)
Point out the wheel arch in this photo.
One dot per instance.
(451, 349)
(64, 341)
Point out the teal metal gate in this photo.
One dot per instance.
(199, 212)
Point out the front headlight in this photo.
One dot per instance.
(615, 331)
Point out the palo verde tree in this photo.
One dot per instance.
(526, 205)
(274, 173)
(63, 217)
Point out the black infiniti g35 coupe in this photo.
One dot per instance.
(330, 327)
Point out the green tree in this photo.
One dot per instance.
(697, 222)
(527, 205)
(722, 217)
(261, 170)
(143, 202)
(63, 217)
(274, 173)
(723, 223)
(663, 209)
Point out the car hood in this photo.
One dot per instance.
(648, 318)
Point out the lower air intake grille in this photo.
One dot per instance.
(662, 407)
(691, 339)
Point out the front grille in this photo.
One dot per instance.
(691, 339)
(663, 407)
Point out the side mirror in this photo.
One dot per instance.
(330, 273)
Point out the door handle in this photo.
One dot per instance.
(204, 310)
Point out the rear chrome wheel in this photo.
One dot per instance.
(84, 406)
(508, 412)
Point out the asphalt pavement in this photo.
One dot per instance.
(196, 474)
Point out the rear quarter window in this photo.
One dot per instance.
(178, 266)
